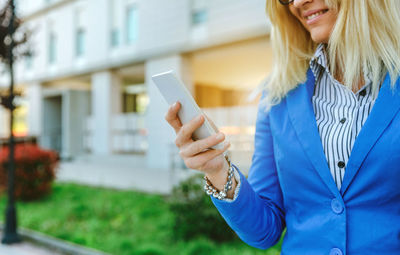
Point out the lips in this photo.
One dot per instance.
(313, 14)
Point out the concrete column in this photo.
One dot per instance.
(75, 111)
(161, 135)
(106, 101)
(35, 101)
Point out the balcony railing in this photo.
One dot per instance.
(128, 133)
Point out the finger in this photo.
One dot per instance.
(186, 131)
(201, 159)
(202, 145)
(212, 123)
(172, 117)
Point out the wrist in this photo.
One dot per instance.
(221, 187)
(218, 177)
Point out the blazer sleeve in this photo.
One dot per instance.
(257, 214)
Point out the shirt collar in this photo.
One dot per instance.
(320, 60)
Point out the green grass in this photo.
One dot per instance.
(118, 222)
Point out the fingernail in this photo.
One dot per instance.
(219, 136)
(199, 117)
(174, 104)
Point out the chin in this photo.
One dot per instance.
(318, 38)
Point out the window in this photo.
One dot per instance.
(199, 16)
(199, 12)
(132, 24)
(80, 36)
(116, 21)
(28, 61)
(52, 48)
(115, 37)
(135, 102)
(80, 42)
(135, 98)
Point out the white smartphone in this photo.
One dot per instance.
(173, 89)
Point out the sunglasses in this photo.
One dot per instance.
(286, 2)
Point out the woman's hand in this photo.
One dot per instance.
(196, 154)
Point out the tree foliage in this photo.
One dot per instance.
(21, 35)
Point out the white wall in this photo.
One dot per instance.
(34, 97)
(232, 19)
(98, 32)
(4, 120)
(164, 28)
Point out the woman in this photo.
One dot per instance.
(327, 146)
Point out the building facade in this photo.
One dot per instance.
(87, 87)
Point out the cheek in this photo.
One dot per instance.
(321, 33)
(331, 22)
(299, 19)
(295, 13)
(292, 10)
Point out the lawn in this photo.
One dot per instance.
(118, 222)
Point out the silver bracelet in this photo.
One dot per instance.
(211, 190)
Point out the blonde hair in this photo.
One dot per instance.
(365, 39)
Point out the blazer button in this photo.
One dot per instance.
(336, 251)
(336, 206)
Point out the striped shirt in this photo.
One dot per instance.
(340, 114)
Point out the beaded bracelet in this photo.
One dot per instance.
(211, 190)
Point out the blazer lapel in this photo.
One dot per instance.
(385, 108)
(301, 114)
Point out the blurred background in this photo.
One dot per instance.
(87, 88)
(86, 91)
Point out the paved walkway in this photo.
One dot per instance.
(25, 248)
(120, 172)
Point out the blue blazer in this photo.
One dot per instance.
(290, 185)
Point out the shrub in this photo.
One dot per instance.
(194, 213)
(200, 247)
(149, 249)
(34, 171)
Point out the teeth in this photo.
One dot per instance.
(314, 15)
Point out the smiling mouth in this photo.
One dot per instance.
(314, 15)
